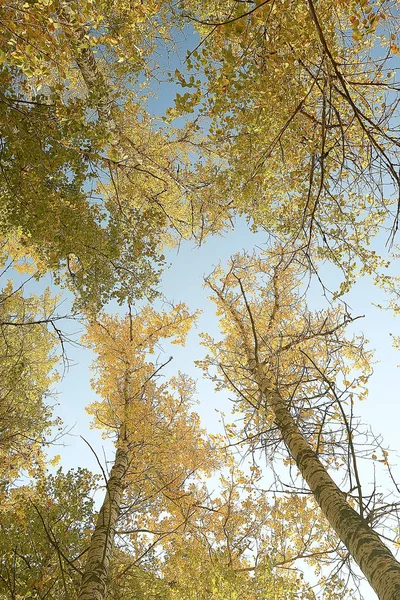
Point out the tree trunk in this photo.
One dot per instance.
(94, 579)
(365, 546)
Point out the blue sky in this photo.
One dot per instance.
(183, 281)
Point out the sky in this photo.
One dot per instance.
(183, 281)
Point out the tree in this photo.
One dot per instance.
(301, 105)
(45, 535)
(296, 139)
(27, 359)
(52, 153)
(92, 187)
(159, 445)
(231, 549)
(44, 530)
(285, 366)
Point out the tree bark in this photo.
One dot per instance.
(374, 559)
(94, 579)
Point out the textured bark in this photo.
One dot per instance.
(94, 579)
(365, 546)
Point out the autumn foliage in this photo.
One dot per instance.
(132, 128)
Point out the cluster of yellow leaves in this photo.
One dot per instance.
(27, 351)
(167, 447)
(123, 346)
(13, 251)
(35, 38)
(239, 545)
(54, 507)
(305, 355)
(293, 104)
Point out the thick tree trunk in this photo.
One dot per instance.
(373, 557)
(94, 579)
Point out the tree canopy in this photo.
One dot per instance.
(280, 114)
